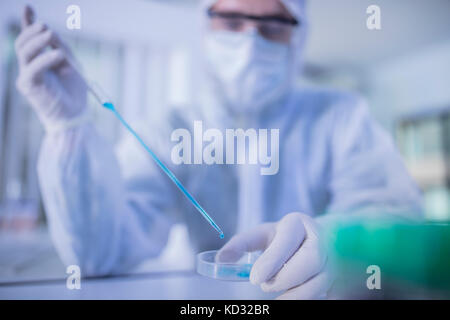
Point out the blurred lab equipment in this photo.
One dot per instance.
(413, 259)
(424, 141)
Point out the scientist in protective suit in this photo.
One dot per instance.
(108, 210)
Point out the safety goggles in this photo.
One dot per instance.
(274, 28)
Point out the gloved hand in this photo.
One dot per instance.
(294, 257)
(52, 86)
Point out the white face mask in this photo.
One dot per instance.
(251, 72)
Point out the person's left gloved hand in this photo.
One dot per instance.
(294, 260)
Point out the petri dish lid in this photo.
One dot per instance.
(237, 271)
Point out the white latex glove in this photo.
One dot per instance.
(52, 86)
(294, 258)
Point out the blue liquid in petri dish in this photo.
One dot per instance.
(230, 272)
(245, 272)
(236, 271)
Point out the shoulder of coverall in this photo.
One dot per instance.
(322, 101)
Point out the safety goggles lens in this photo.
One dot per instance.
(274, 28)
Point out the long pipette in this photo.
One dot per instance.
(95, 90)
(28, 19)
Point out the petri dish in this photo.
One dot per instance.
(235, 271)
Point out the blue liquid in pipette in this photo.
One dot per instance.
(110, 106)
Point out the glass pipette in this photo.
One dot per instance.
(97, 93)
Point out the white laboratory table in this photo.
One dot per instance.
(184, 285)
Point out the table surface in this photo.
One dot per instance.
(179, 285)
(31, 269)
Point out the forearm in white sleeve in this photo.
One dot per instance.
(98, 220)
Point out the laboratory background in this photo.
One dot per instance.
(145, 54)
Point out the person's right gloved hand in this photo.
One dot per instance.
(295, 258)
(52, 86)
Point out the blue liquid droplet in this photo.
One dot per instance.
(222, 236)
(109, 105)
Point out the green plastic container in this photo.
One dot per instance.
(418, 254)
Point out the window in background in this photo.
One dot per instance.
(424, 140)
(20, 136)
(22, 133)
